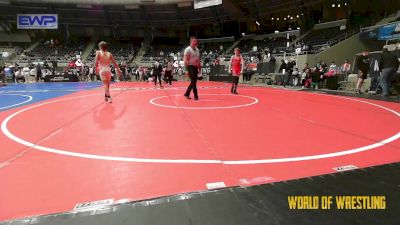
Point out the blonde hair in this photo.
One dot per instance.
(103, 45)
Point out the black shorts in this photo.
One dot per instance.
(363, 75)
(168, 73)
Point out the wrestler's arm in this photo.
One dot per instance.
(96, 63)
(115, 65)
(230, 64)
(242, 64)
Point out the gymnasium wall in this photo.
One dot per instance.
(15, 37)
(346, 49)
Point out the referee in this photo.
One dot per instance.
(191, 60)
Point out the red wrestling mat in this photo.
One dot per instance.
(153, 142)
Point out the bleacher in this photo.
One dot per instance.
(162, 48)
(123, 50)
(157, 52)
(214, 47)
(5, 52)
(320, 39)
(62, 52)
(16, 48)
(273, 45)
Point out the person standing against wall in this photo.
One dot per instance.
(363, 65)
(168, 71)
(390, 65)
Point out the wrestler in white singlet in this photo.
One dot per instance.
(102, 67)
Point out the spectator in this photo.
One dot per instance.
(180, 71)
(315, 77)
(323, 67)
(124, 68)
(12, 68)
(289, 70)
(3, 75)
(86, 73)
(216, 61)
(156, 71)
(71, 64)
(91, 72)
(135, 72)
(19, 75)
(306, 67)
(32, 72)
(168, 72)
(390, 65)
(332, 70)
(306, 77)
(272, 60)
(282, 68)
(38, 72)
(46, 72)
(26, 73)
(247, 73)
(333, 66)
(346, 68)
(296, 76)
(141, 73)
(363, 65)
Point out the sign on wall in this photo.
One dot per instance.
(37, 21)
(198, 4)
(389, 32)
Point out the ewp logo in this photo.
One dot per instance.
(37, 21)
(206, 70)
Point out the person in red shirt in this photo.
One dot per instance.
(71, 64)
(236, 66)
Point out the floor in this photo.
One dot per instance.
(63, 145)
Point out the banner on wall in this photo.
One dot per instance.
(37, 21)
(198, 4)
(389, 32)
(370, 34)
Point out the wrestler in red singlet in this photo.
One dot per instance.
(236, 67)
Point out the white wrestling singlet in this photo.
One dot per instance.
(104, 60)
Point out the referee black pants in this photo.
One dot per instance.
(157, 76)
(235, 83)
(193, 72)
(168, 76)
